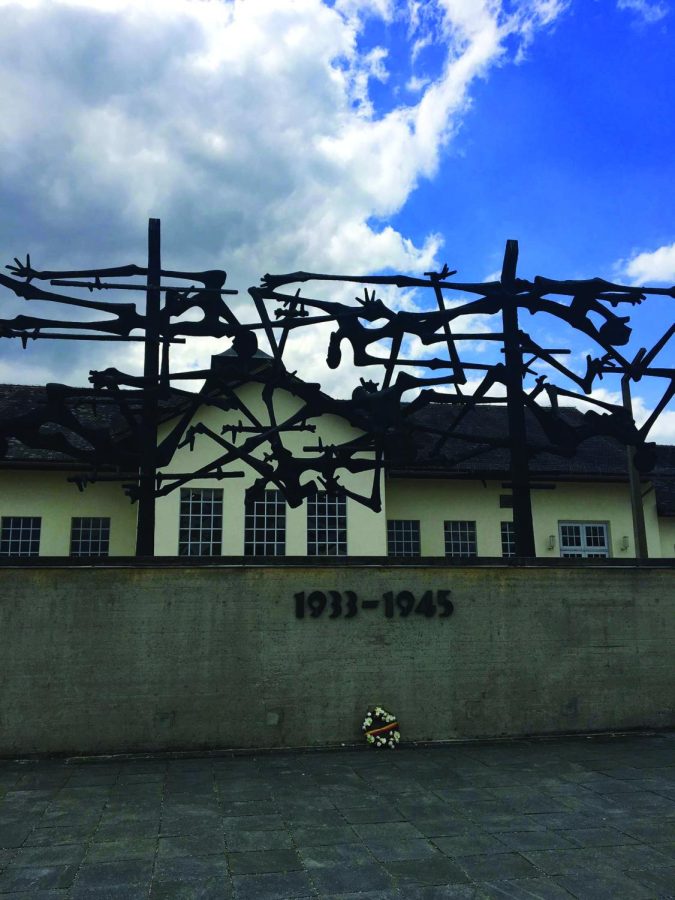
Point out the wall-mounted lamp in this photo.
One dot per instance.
(625, 543)
(550, 543)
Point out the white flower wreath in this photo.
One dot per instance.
(381, 728)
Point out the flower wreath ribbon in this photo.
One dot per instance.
(390, 727)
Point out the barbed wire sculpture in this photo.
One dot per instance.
(384, 411)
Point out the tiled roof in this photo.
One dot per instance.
(463, 455)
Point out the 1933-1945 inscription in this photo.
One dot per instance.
(346, 604)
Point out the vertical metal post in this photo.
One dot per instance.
(145, 533)
(515, 407)
(637, 509)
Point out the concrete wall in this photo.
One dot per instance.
(126, 659)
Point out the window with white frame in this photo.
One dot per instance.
(20, 535)
(508, 539)
(326, 525)
(460, 538)
(265, 525)
(89, 536)
(586, 539)
(201, 522)
(403, 537)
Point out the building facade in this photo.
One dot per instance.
(430, 507)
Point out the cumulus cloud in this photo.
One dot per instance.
(647, 11)
(655, 265)
(248, 126)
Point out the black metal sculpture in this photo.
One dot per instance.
(384, 411)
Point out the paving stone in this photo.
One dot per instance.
(535, 840)
(259, 840)
(314, 837)
(6, 856)
(190, 868)
(210, 889)
(126, 831)
(396, 849)
(50, 855)
(658, 831)
(306, 817)
(444, 825)
(557, 862)
(348, 878)
(37, 895)
(247, 807)
(277, 886)
(206, 844)
(597, 837)
(471, 844)
(72, 834)
(496, 866)
(437, 871)
(391, 894)
(34, 878)
(588, 886)
(110, 851)
(117, 873)
(111, 892)
(631, 856)
(523, 889)
(13, 835)
(369, 815)
(261, 862)
(397, 831)
(660, 880)
(334, 854)
(440, 892)
(272, 822)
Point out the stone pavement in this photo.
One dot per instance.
(587, 818)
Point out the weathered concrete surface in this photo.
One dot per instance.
(123, 659)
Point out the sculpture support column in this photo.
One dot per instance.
(145, 535)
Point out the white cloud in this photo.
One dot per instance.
(248, 126)
(656, 265)
(648, 12)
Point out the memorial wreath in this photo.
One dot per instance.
(381, 728)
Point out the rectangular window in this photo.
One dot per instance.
(89, 536)
(326, 525)
(265, 526)
(201, 522)
(403, 537)
(20, 535)
(585, 539)
(508, 539)
(460, 538)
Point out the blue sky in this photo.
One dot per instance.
(343, 136)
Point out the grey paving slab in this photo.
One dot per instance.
(352, 878)
(550, 819)
(210, 889)
(189, 869)
(442, 892)
(34, 878)
(334, 854)
(524, 889)
(277, 886)
(471, 844)
(484, 867)
(259, 840)
(437, 871)
(605, 887)
(261, 862)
